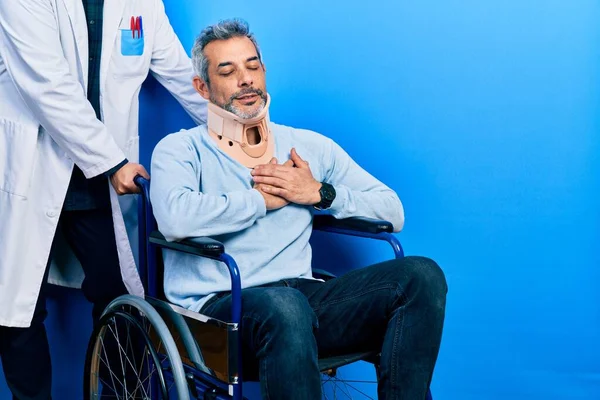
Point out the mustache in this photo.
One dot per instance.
(245, 92)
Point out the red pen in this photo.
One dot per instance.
(132, 26)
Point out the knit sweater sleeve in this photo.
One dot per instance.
(181, 209)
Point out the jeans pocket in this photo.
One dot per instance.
(130, 45)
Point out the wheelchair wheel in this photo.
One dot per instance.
(337, 385)
(347, 386)
(131, 355)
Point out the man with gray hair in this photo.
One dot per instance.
(224, 179)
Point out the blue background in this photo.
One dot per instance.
(484, 117)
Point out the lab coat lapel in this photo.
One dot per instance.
(79, 27)
(113, 14)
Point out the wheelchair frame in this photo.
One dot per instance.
(190, 373)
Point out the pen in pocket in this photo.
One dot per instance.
(136, 26)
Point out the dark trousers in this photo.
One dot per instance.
(396, 307)
(24, 351)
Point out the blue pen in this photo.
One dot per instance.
(141, 29)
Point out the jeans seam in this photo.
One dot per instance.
(263, 367)
(397, 338)
(354, 296)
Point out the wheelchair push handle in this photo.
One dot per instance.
(144, 185)
(140, 181)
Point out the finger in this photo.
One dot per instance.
(142, 171)
(268, 180)
(131, 187)
(300, 163)
(257, 186)
(123, 189)
(273, 161)
(259, 166)
(288, 163)
(275, 170)
(274, 191)
(135, 189)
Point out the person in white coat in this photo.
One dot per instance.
(70, 77)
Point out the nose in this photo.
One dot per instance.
(245, 79)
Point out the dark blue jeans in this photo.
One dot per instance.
(396, 307)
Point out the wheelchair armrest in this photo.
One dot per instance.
(210, 248)
(354, 224)
(200, 246)
(361, 227)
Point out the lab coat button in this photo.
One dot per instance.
(51, 213)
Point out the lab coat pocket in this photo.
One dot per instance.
(17, 157)
(132, 43)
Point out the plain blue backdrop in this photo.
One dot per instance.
(484, 117)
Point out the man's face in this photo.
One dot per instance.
(237, 77)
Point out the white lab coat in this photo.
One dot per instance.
(47, 125)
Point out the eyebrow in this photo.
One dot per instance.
(226, 63)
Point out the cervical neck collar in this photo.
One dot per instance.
(231, 134)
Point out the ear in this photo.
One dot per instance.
(201, 87)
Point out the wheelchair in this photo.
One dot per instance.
(147, 348)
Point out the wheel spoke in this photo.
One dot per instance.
(135, 372)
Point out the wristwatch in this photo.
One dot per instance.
(327, 193)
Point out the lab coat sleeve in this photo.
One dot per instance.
(31, 50)
(172, 67)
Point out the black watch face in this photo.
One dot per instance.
(328, 193)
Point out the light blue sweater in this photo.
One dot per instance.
(198, 190)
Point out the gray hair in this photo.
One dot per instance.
(223, 30)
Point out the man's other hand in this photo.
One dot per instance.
(292, 180)
(271, 201)
(122, 180)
